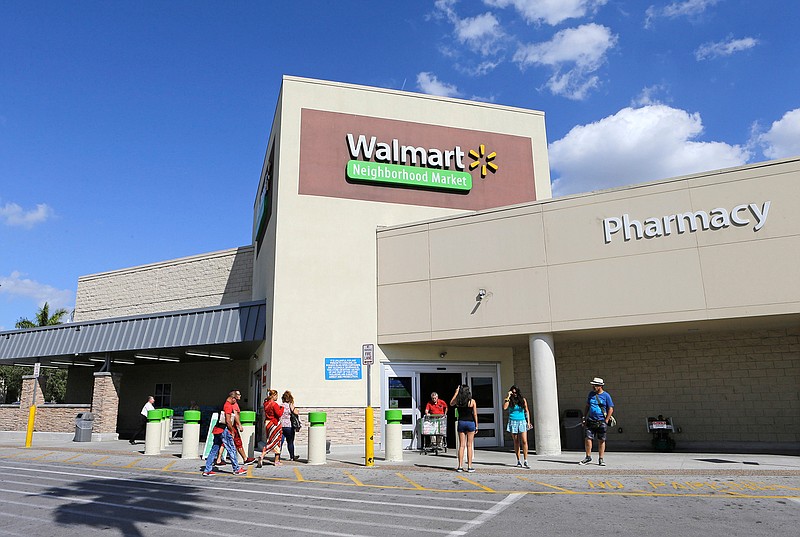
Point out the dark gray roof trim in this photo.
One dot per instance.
(230, 323)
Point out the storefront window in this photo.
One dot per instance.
(163, 395)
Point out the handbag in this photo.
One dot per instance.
(612, 422)
(295, 419)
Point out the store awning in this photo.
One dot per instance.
(217, 325)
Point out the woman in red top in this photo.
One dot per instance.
(272, 424)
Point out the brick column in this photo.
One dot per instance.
(25, 399)
(105, 406)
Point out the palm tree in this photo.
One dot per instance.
(11, 376)
(43, 318)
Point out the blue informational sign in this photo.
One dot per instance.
(342, 368)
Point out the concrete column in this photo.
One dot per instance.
(105, 406)
(545, 394)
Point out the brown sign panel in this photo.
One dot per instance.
(324, 154)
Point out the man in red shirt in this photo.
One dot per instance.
(436, 406)
(223, 434)
(237, 435)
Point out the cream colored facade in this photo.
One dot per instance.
(701, 325)
(497, 285)
(317, 268)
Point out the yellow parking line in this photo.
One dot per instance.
(73, 457)
(134, 463)
(42, 456)
(353, 478)
(471, 482)
(165, 468)
(298, 474)
(560, 489)
(404, 478)
(98, 461)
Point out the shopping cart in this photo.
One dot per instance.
(433, 434)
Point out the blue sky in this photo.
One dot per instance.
(134, 132)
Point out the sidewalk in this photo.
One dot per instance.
(493, 460)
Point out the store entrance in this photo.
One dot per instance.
(408, 386)
(445, 385)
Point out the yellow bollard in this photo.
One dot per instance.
(369, 447)
(31, 421)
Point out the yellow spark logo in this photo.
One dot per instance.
(480, 155)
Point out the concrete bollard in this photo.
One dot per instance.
(248, 419)
(316, 438)
(394, 435)
(163, 428)
(152, 433)
(191, 435)
(170, 421)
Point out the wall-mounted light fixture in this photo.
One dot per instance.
(481, 294)
(442, 354)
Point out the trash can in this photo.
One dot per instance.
(572, 430)
(83, 427)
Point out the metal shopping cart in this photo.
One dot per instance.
(433, 434)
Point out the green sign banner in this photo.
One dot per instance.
(378, 172)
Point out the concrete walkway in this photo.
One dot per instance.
(491, 460)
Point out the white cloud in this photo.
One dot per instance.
(15, 285)
(636, 145)
(688, 8)
(13, 215)
(648, 96)
(482, 33)
(584, 47)
(428, 83)
(549, 11)
(709, 51)
(783, 138)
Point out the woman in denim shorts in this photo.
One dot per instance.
(467, 412)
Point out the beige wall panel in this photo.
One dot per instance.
(403, 258)
(652, 284)
(574, 230)
(514, 297)
(781, 190)
(405, 308)
(502, 243)
(745, 274)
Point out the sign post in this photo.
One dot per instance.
(32, 412)
(367, 359)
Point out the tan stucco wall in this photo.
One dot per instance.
(321, 292)
(199, 281)
(546, 268)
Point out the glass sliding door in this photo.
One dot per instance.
(484, 391)
(407, 386)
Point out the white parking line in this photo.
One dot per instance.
(487, 515)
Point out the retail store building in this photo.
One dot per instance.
(425, 226)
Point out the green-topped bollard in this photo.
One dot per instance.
(170, 415)
(248, 419)
(152, 433)
(191, 435)
(316, 438)
(394, 435)
(163, 428)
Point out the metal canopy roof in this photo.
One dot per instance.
(226, 324)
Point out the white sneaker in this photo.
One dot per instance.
(519, 464)
(526, 465)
